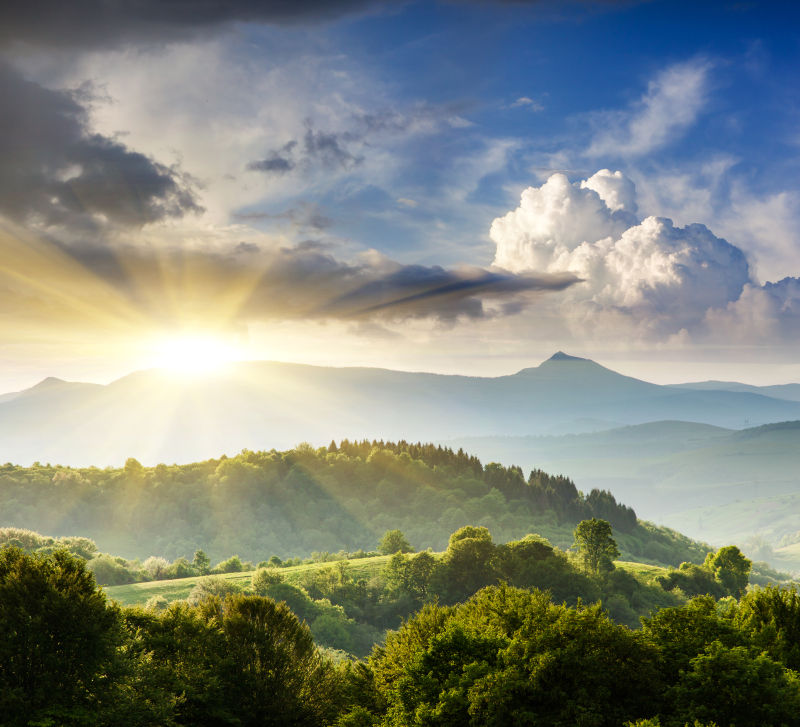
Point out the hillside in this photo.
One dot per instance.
(137, 594)
(157, 416)
(291, 503)
(712, 483)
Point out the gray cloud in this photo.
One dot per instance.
(303, 216)
(307, 283)
(340, 149)
(56, 172)
(272, 163)
(86, 24)
(278, 161)
(416, 291)
(316, 149)
(104, 23)
(329, 149)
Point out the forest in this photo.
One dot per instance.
(537, 607)
(505, 655)
(293, 503)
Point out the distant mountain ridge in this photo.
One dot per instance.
(157, 416)
(790, 392)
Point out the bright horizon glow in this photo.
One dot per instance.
(194, 355)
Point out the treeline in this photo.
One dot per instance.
(473, 561)
(292, 503)
(351, 613)
(506, 656)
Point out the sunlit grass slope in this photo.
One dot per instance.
(137, 594)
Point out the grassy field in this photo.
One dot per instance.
(644, 571)
(137, 594)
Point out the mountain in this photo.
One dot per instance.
(790, 392)
(718, 484)
(158, 416)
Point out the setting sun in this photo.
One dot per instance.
(194, 354)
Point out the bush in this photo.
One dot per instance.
(263, 578)
(231, 565)
(110, 571)
(211, 586)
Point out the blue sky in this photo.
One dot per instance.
(341, 183)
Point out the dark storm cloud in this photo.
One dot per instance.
(54, 171)
(307, 283)
(102, 23)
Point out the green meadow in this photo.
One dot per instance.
(137, 594)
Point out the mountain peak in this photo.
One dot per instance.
(561, 356)
(49, 382)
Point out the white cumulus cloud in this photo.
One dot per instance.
(660, 279)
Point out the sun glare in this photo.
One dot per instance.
(194, 355)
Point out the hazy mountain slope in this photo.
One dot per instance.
(706, 481)
(157, 416)
(789, 392)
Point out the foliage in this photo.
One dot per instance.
(211, 587)
(596, 547)
(393, 541)
(730, 568)
(737, 686)
(725, 572)
(771, 618)
(58, 639)
(469, 561)
(505, 656)
(263, 578)
(693, 580)
(304, 500)
(201, 562)
(513, 657)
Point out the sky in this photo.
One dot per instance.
(455, 186)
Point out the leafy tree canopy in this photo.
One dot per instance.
(393, 541)
(596, 547)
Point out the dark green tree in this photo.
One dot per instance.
(730, 568)
(202, 562)
(468, 563)
(393, 541)
(771, 618)
(58, 640)
(263, 578)
(736, 686)
(273, 672)
(595, 545)
(410, 576)
(681, 633)
(512, 657)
